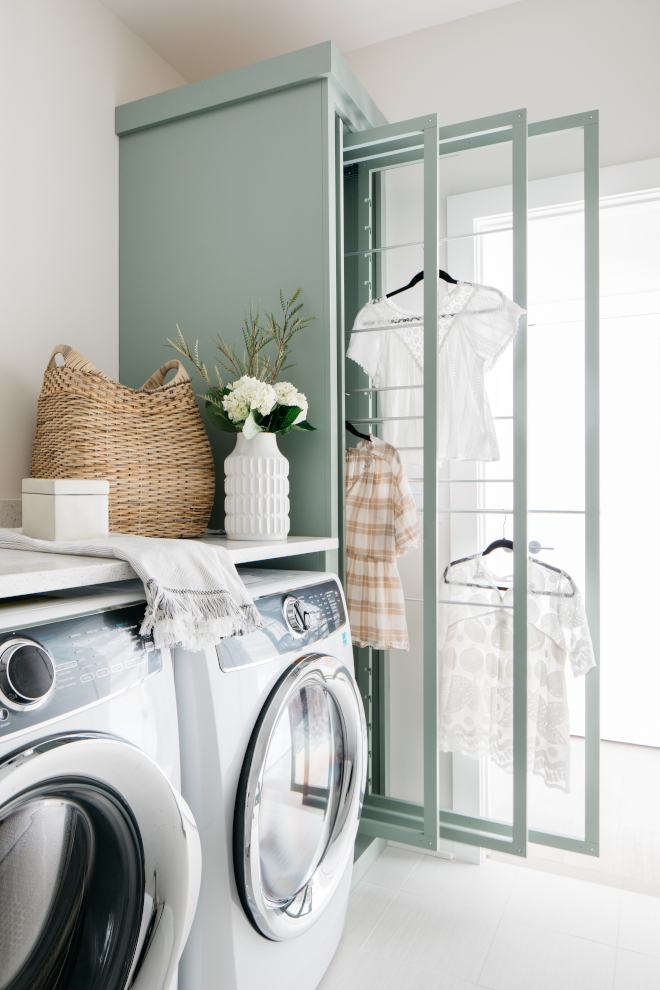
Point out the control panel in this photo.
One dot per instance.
(294, 620)
(51, 670)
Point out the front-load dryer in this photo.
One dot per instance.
(99, 854)
(273, 759)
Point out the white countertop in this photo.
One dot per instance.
(25, 573)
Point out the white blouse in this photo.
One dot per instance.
(476, 665)
(475, 325)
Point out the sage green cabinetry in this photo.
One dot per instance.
(228, 193)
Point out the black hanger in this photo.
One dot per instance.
(356, 433)
(418, 278)
(508, 545)
(498, 545)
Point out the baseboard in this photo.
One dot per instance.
(367, 851)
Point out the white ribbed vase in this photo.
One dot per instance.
(256, 490)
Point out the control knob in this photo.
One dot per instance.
(299, 616)
(27, 673)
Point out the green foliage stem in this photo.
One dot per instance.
(256, 335)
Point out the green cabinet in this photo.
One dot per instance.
(228, 193)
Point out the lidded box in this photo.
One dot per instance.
(65, 508)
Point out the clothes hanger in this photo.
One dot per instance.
(502, 544)
(418, 278)
(356, 433)
(505, 544)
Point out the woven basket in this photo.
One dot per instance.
(150, 444)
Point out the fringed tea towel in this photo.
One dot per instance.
(195, 596)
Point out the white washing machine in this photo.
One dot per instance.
(99, 855)
(273, 758)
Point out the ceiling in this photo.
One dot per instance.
(201, 38)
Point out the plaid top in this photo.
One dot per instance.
(381, 525)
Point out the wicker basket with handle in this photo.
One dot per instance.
(150, 444)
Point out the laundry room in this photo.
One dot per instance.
(326, 329)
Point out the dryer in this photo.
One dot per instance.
(99, 854)
(274, 757)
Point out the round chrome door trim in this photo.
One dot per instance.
(284, 919)
(165, 826)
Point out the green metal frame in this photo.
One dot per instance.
(589, 123)
(430, 546)
(422, 140)
(371, 666)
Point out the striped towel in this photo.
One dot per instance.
(195, 596)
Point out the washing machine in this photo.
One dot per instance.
(273, 757)
(100, 859)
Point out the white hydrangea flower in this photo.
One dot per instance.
(288, 395)
(248, 393)
(285, 391)
(302, 402)
(236, 407)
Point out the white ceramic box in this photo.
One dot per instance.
(65, 508)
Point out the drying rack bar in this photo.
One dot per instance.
(448, 601)
(388, 326)
(397, 388)
(558, 512)
(479, 512)
(383, 388)
(388, 247)
(468, 481)
(388, 419)
(509, 512)
(441, 240)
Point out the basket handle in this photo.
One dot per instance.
(158, 378)
(72, 359)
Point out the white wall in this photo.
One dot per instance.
(554, 57)
(64, 66)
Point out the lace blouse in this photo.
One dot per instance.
(476, 665)
(475, 325)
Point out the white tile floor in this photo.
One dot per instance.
(630, 820)
(419, 922)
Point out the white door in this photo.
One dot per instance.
(299, 797)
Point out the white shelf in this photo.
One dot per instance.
(26, 573)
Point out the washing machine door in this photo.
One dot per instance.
(99, 868)
(299, 797)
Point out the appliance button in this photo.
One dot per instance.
(4, 714)
(87, 677)
(299, 616)
(294, 615)
(102, 673)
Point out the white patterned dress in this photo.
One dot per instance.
(476, 665)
